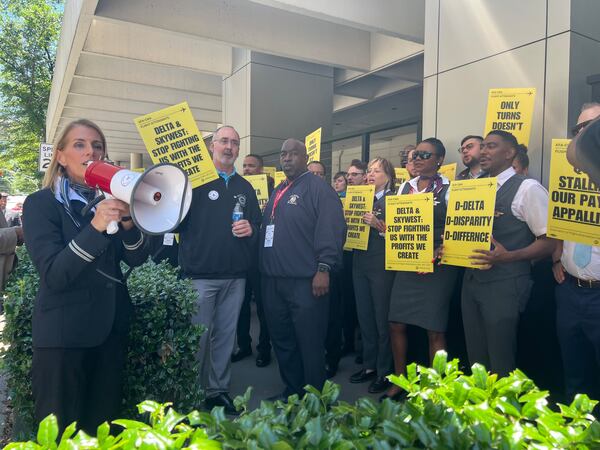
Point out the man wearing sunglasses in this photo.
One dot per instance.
(495, 293)
(576, 268)
(470, 149)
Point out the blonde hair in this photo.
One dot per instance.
(388, 169)
(55, 169)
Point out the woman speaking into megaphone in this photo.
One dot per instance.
(82, 308)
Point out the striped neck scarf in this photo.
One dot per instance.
(68, 191)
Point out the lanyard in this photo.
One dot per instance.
(277, 198)
(280, 194)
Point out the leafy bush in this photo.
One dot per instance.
(165, 429)
(160, 364)
(445, 410)
(162, 340)
(18, 306)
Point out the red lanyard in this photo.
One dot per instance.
(277, 198)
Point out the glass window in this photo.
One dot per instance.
(390, 144)
(343, 152)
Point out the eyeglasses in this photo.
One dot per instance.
(580, 126)
(468, 147)
(355, 174)
(226, 141)
(421, 155)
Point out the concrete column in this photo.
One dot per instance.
(268, 99)
(551, 46)
(135, 161)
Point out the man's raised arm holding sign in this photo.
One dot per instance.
(494, 295)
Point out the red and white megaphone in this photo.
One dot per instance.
(158, 199)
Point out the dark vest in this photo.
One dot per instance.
(511, 232)
(439, 212)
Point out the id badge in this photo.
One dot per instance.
(168, 238)
(269, 233)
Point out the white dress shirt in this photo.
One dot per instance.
(589, 272)
(530, 204)
(414, 183)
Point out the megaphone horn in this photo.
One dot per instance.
(158, 199)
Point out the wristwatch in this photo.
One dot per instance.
(322, 267)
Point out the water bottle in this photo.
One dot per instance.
(238, 213)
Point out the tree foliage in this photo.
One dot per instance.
(29, 31)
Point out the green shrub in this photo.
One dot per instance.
(18, 305)
(160, 364)
(162, 341)
(166, 429)
(445, 410)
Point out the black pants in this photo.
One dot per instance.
(349, 318)
(578, 326)
(244, 341)
(298, 324)
(80, 384)
(333, 341)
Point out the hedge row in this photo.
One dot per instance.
(446, 409)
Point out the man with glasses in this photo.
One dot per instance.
(470, 149)
(356, 176)
(576, 268)
(495, 293)
(216, 252)
(357, 173)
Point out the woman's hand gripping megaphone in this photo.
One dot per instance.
(109, 213)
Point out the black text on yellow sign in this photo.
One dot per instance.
(511, 110)
(574, 204)
(259, 183)
(469, 220)
(409, 232)
(313, 145)
(171, 135)
(358, 202)
(401, 175)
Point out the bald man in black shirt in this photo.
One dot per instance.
(301, 241)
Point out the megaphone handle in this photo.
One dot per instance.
(113, 226)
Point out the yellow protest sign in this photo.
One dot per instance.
(511, 110)
(171, 135)
(279, 177)
(259, 183)
(401, 175)
(449, 171)
(409, 232)
(574, 203)
(469, 220)
(359, 200)
(313, 145)
(270, 171)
